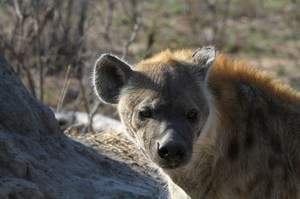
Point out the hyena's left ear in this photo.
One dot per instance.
(111, 74)
(204, 56)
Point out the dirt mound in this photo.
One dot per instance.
(39, 161)
(115, 145)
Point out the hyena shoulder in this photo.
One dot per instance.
(215, 126)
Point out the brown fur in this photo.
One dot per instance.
(246, 141)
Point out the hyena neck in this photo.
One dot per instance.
(196, 184)
(254, 112)
(226, 75)
(237, 94)
(243, 99)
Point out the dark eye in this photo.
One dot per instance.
(192, 115)
(145, 113)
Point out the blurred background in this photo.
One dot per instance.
(53, 44)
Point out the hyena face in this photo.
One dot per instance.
(163, 115)
(161, 102)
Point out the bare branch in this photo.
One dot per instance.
(21, 63)
(64, 89)
(92, 114)
(132, 37)
(108, 22)
(225, 18)
(18, 10)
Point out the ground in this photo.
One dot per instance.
(117, 147)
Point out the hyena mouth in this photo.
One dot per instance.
(170, 165)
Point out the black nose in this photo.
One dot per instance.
(171, 151)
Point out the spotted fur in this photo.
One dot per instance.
(245, 141)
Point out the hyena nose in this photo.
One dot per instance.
(171, 151)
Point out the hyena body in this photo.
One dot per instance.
(216, 127)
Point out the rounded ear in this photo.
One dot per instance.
(205, 56)
(110, 75)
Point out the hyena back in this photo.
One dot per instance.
(216, 127)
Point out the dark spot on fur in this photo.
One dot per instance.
(293, 192)
(268, 190)
(276, 145)
(254, 184)
(246, 94)
(285, 175)
(260, 115)
(249, 141)
(273, 108)
(233, 150)
(247, 97)
(262, 121)
(249, 136)
(238, 191)
(271, 163)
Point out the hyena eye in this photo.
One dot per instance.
(145, 113)
(192, 115)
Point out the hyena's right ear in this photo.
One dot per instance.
(110, 75)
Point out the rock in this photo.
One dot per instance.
(38, 161)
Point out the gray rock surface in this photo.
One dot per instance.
(39, 161)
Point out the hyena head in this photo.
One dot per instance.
(161, 101)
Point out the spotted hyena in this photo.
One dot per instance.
(216, 127)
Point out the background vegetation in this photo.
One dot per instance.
(53, 44)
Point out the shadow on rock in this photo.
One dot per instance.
(38, 161)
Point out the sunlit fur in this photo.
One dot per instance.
(249, 145)
(211, 173)
(226, 69)
(227, 72)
